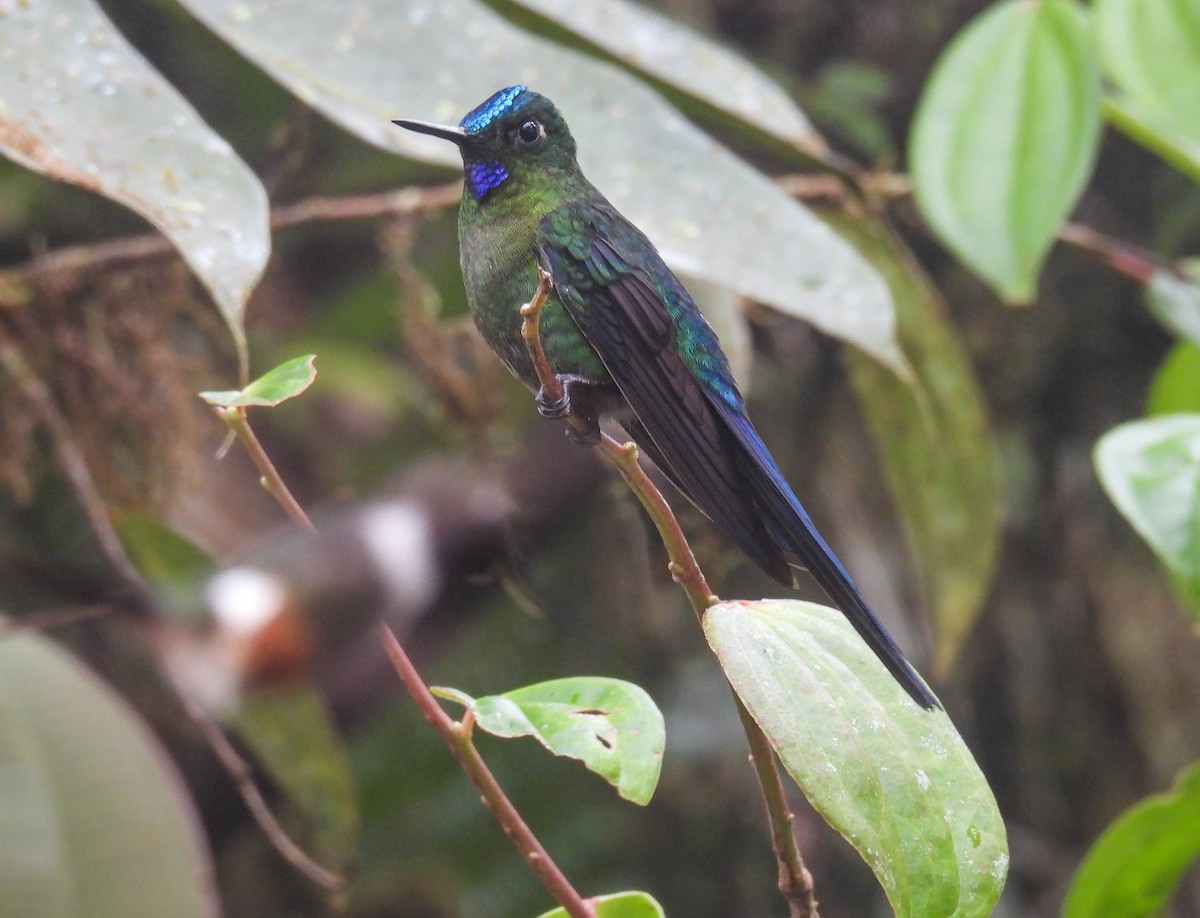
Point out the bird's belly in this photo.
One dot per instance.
(497, 288)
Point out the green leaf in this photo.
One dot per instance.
(1175, 299)
(1160, 139)
(684, 60)
(291, 735)
(613, 727)
(286, 381)
(1005, 137)
(169, 561)
(934, 442)
(687, 198)
(1151, 471)
(1133, 868)
(80, 105)
(619, 905)
(94, 819)
(1175, 389)
(1151, 50)
(160, 553)
(897, 781)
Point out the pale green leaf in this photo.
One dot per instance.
(1163, 140)
(710, 214)
(934, 442)
(1005, 137)
(613, 727)
(79, 104)
(1134, 867)
(94, 819)
(1175, 299)
(1151, 471)
(286, 381)
(896, 780)
(619, 905)
(1151, 50)
(1175, 389)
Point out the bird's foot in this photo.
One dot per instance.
(583, 427)
(553, 408)
(588, 435)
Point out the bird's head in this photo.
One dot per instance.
(512, 138)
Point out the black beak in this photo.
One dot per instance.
(444, 131)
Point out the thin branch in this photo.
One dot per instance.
(684, 568)
(825, 187)
(458, 738)
(795, 881)
(271, 479)
(234, 764)
(1122, 257)
(243, 778)
(70, 458)
(82, 258)
(531, 323)
(52, 619)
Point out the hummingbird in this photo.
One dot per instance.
(627, 341)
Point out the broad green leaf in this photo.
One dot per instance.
(684, 60)
(710, 214)
(613, 727)
(286, 381)
(1151, 50)
(1175, 299)
(1176, 385)
(94, 819)
(1005, 136)
(897, 781)
(1133, 868)
(619, 905)
(291, 735)
(934, 442)
(78, 104)
(1160, 139)
(1151, 471)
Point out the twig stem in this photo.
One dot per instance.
(228, 756)
(457, 737)
(243, 778)
(795, 881)
(70, 458)
(235, 418)
(81, 258)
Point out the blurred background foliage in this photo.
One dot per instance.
(1075, 687)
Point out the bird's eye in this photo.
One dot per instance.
(531, 132)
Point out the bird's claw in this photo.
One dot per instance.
(553, 408)
(583, 427)
(588, 436)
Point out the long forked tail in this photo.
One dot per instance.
(792, 538)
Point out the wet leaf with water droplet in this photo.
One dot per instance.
(710, 214)
(78, 104)
(897, 781)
